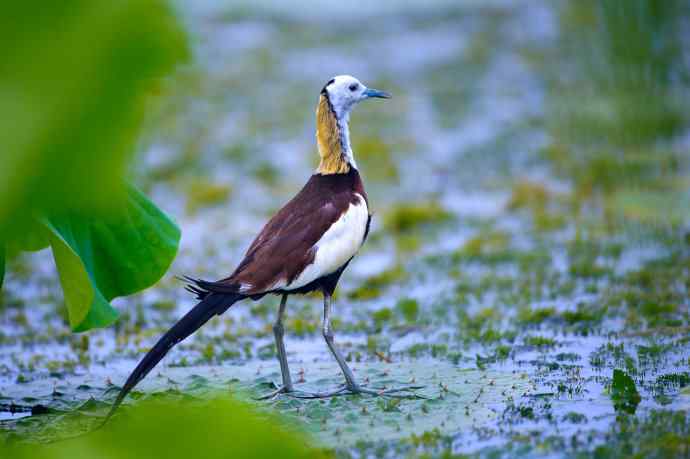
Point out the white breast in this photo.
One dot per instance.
(337, 245)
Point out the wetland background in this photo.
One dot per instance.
(530, 248)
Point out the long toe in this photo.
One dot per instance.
(356, 389)
(395, 392)
(274, 393)
(343, 390)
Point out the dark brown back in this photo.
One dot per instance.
(284, 247)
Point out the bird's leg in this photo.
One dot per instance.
(350, 383)
(351, 386)
(279, 332)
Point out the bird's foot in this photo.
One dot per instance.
(342, 390)
(355, 389)
(345, 389)
(286, 390)
(394, 392)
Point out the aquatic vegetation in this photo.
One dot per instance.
(68, 142)
(529, 195)
(661, 434)
(374, 285)
(528, 255)
(617, 111)
(539, 341)
(549, 211)
(409, 308)
(405, 217)
(488, 247)
(535, 316)
(377, 158)
(203, 194)
(624, 393)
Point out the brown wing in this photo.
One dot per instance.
(285, 245)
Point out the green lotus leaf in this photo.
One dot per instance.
(216, 428)
(100, 259)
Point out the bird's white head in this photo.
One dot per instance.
(344, 91)
(337, 98)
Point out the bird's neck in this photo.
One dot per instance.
(333, 139)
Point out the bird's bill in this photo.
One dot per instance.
(376, 93)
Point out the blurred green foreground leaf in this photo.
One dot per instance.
(218, 428)
(101, 259)
(75, 80)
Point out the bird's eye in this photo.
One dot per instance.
(353, 87)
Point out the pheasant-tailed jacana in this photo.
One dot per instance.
(304, 248)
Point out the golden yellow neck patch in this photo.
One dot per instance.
(333, 159)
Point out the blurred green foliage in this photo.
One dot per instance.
(618, 95)
(112, 256)
(75, 79)
(626, 69)
(215, 428)
(203, 193)
(660, 435)
(374, 285)
(409, 216)
(409, 308)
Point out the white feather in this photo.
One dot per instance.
(337, 245)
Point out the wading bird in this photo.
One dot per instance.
(304, 248)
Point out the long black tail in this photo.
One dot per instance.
(210, 305)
